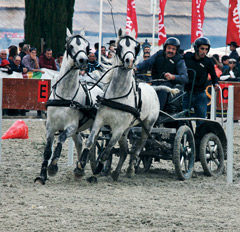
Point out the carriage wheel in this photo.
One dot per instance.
(211, 155)
(184, 153)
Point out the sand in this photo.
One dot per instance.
(155, 201)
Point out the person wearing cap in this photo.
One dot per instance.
(167, 65)
(146, 48)
(232, 72)
(5, 67)
(202, 65)
(112, 45)
(234, 54)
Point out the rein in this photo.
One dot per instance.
(117, 66)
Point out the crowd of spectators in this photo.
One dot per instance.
(23, 59)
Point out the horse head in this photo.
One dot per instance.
(78, 49)
(127, 49)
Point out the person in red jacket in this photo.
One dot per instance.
(47, 61)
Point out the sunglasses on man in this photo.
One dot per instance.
(232, 62)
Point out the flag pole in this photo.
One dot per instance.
(100, 32)
(153, 28)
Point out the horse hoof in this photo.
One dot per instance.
(79, 173)
(39, 180)
(52, 170)
(92, 179)
(115, 176)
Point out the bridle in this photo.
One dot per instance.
(119, 48)
(69, 49)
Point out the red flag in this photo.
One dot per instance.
(131, 24)
(233, 29)
(197, 19)
(161, 29)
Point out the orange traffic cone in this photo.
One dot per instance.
(18, 130)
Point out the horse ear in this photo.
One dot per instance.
(69, 33)
(82, 32)
(120, 32)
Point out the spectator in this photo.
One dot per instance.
(20, 46)
(103, 51)
(167, 65)
(146, 47)
(92, 63)
(112, 45)
(217, 66)
(3, 55)
(59, 60)
(31, 61)
(202, 65)
(5, 67)
(16, 65)
(111, 54)
(146, 56)
(47, 61)
(234, 54)
(225, 60)
(24, 51)
(231, 73)
(12, 53)
(96, 47)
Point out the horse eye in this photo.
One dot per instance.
(71, 46)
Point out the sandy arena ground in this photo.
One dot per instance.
(156, 201)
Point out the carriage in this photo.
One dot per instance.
(175, 138)
(122, 107)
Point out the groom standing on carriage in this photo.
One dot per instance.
(168, 66)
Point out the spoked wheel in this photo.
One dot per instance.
(184, 153)
(211, 155)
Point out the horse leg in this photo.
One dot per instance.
(89, 145)
(134, 155)
(46, 155)
(105, 155)
(123, 155)
(53, 168)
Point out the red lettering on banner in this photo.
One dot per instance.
(131, 22)
(42, 91)
(161, 29)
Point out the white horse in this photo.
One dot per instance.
(69, 105)
(121, 108)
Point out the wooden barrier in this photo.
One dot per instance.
(224, 85)
(29, 94)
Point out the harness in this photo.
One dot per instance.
(135, 111)
(89, 111)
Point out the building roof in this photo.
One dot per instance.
(177, 18)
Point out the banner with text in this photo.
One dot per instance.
(162, 37)
(233, 28)
(197, 19)
(131, 24)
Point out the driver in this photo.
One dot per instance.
(168, 65)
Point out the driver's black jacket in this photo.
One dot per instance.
(160, 65)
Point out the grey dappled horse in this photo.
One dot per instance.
(69, 105)
(122, 90)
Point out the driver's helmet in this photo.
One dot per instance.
(172, 41)
(201, 41)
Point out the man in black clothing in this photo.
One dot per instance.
(16, 65)
(234, 54)
(202, 65)
(167, 65)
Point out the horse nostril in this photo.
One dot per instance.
(81, 61)
(127, 60)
